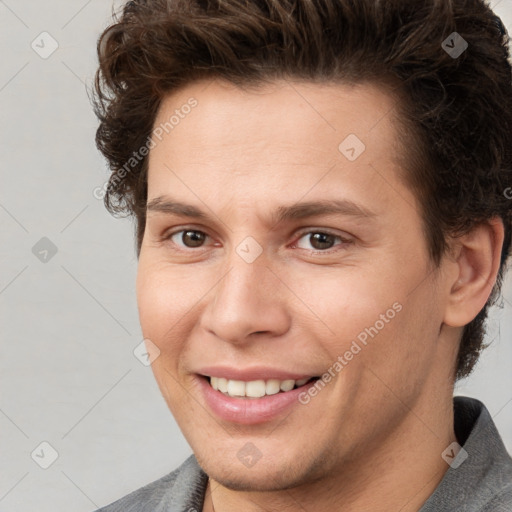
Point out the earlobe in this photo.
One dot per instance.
(475, 269)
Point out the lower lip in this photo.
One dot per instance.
(249, 411)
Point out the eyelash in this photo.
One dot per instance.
(344, 241)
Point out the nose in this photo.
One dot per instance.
(249, 300)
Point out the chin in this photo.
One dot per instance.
(263, 476)
(250, 482)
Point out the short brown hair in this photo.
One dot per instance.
(456, 109)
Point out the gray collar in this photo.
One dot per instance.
(484, 480)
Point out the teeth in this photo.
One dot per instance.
(254, 388)
(236, 388)
(272, 387)
(222, 384)
(287, 385)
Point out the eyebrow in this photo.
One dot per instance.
(297, 211)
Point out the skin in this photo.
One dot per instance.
(372, 438)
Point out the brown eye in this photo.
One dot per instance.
(189, 238)
(319, 241)
(322, 240)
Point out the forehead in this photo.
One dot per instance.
(284, 117)
(281, 135)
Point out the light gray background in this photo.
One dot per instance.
(69, 326)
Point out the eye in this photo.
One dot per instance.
(189, 238)
(319, 240)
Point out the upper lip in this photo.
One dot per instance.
(252, 373)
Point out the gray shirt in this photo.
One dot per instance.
(482, 483)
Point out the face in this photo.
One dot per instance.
(276, 249)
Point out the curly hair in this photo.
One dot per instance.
(455, 110)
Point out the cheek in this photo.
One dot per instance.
(166, 294)
(403, 353)
(371, 320)
(163, 302)
(344, 303)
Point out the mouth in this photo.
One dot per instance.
(255, 389)
(257, 401)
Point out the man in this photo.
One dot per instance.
(320, 192)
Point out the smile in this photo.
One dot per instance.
(255, 388)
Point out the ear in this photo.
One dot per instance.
(475, 266)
